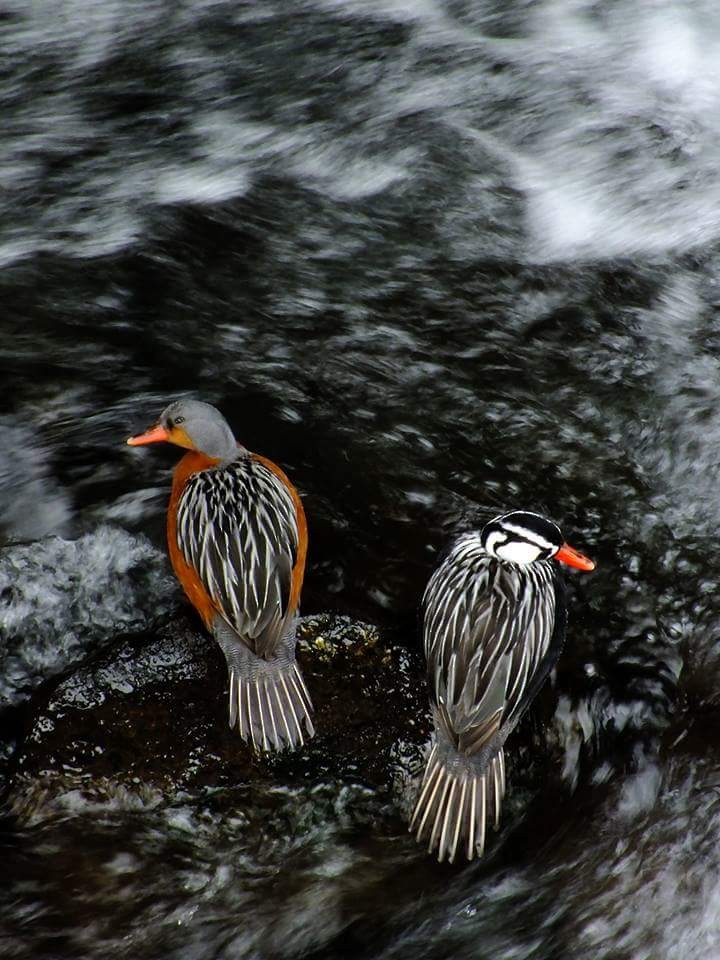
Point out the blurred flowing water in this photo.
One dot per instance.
(438, 260)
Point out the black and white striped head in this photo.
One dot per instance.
(194, 425)
(522, 537)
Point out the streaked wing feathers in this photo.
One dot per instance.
(237, 527)
(488, 628)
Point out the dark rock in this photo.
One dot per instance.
(150, 718)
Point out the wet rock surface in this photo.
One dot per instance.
(128, 766)
(151, 715)
(127, 770)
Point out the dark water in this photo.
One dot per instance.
(438, 260)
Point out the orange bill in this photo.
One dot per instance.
(570, 556)
(154, 435)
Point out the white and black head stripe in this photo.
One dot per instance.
(530, 536)
(521, 537)
(493, 540)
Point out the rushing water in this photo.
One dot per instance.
(438, 260)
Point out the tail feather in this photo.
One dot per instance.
(498, 784)
(271, 709)
(455, 803)
(472, 817)
(440, 822)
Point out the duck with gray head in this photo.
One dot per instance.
(237, 539)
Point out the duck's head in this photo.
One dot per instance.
(523, 537)
(194, 425)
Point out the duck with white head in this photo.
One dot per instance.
(494, 625)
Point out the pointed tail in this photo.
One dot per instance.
(272, 708)
(455, 803)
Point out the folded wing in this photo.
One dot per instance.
(488, 634)
(237, 527)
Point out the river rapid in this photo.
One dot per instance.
(439, 260)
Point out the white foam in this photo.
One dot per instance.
(626, 168)
(610, 139)
(640, 791)
(32, 503)
(682, 442)
(67, 596)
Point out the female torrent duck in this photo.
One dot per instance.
(237, 539)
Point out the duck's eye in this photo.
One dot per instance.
(179, 420)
